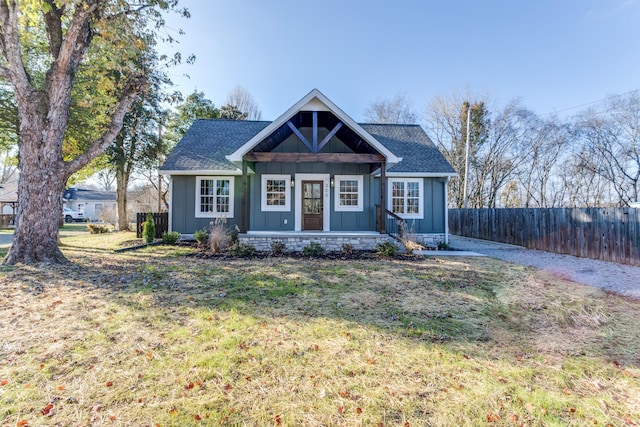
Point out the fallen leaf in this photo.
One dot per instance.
(492, 418)
(47, 409)
(278, 420)
(23, 423)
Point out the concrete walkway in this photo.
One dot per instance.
(6, 239)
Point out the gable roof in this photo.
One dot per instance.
(83, 195)
(419, 154)
(208, 142)
(205, 148)
(313, 101)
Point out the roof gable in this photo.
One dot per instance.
(313, 101)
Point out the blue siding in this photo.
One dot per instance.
(183, 205)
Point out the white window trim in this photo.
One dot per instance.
(336, 193)
(420, 181)
(287, 200)
(199, 213)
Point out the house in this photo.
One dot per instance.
(93, 204)
(8, 203)
(311, 175)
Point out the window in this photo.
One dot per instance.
(276, 193)
(348, 193)
(214, 197)
(405, 198)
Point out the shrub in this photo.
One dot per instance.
(201, 236)
(170, 238)
(412, 245)
(277, 247)
(219, 238)
(387, 248)
(99, 228)
(313, 249)
(347, 248)
(443, 246)
(242, 249)
(149, 230)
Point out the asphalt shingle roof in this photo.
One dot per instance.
(208, 141)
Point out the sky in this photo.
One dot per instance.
(555, 56)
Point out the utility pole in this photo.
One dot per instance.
(466, 157)
(159, 164)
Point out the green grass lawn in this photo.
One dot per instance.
(156, 337)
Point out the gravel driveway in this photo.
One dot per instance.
(620, 278)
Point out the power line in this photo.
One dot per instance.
(594, 102)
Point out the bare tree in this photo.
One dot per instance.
(106, 178)
(242, 100)
(397, 110)
(612, 136)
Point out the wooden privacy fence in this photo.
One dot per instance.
(161, 221)
(609, 234)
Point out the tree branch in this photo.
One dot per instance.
(53, 24)
(10, 46)
(135, 86)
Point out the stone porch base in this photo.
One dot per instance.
(330, 241)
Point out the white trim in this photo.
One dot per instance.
(336, 193)
(311, 101)
(263, 193)
(446, 212)
(171, 204)
(420, 181)
(206, 172)
(376, 173)
(326, 200)
(214, 214)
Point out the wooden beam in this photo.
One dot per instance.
(314, 115)
(300, 135)
(329, 136)
(314, 158)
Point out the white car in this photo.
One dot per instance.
(71, 216)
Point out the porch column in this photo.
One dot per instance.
(245, 203)
(383, 197)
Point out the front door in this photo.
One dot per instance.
(312, 205)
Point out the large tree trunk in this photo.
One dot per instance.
(122, 182)
(40, 186)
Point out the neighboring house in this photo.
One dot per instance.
(311, 175)
(8, 203)
(90, 202)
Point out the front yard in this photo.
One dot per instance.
(156, 337)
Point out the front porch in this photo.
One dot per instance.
(296, 241)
